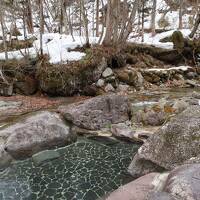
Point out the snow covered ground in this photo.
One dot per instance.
(58, 47)
(183, 68)
(155, 41)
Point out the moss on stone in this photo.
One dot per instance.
(178, 41)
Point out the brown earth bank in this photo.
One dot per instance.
(104, 69)
(28, 104)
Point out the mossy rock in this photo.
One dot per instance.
(178, 41)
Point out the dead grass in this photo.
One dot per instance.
(17, 44)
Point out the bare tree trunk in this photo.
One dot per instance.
(80, 16)
(41, 25)
(97, 18)
(196, 25)
(3, 31)
(131, 20)
(181, 14)
(153, 18)
(103, 28)
(116, 11)
(67, 21)
(124, 19)
(109, 21)
(111, 35)
(70, 24)
(143, 6)
(93, 19)
(29, 16)
(61, 17)
(85, 22)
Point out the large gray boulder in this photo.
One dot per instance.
(160, 196)
(41, 131)
(135, 190)
(171, 145)
(184, 182)
(97, 112)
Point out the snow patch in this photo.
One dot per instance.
(58, 47)
(183, 68)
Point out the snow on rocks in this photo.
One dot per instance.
(155, 40)
(182, 68)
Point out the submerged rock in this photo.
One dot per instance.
(97, 112)
(45, 156)
(41, 131)
(5, 158)
(171, 145)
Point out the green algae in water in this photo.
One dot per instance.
(86, 170)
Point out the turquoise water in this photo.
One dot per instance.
(85, 170)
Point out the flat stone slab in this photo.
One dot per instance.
(98, 112)
(43, 156)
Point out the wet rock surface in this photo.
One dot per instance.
(35, 133)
